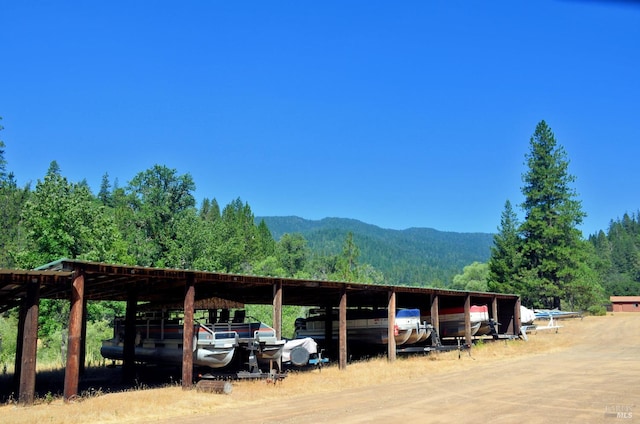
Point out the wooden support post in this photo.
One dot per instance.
(29, 345)
(516, 317)
(467, 320)
(391, 328)
(328, 332)
(83, 337)
(342, 336)
(435, 316)
(187, 334)
(277, 308)
(277, 314)
(22, 316)
(72, 371)
(494, 316)
(494, 308)
(129, 342)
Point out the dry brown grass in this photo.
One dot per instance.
(167, 402)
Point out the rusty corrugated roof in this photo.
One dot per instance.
(166, 285)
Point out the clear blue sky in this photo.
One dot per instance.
(409, 114)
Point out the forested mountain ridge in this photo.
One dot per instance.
(415, 256)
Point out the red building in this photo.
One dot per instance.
(625, 303)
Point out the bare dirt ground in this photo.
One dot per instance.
(587, 372)
(598, 374)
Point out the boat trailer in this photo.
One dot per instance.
(436, 346)
(254, 373)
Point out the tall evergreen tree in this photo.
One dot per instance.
(551, 242)
(104, 194)
(3, 161)
(505, 261)
(265, 241)
(348, 262)
(209, 210)
(237, 232)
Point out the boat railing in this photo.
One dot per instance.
(209, 332)
(211, 336)
(267, 334)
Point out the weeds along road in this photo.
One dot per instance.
(591, 380)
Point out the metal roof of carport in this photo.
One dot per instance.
(160, 285)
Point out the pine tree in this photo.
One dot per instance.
(3, 161)
(551, 245)
(292, 253)
(348, 262)
(104, 194)
(505, 256)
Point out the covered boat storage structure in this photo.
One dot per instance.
(82, 281)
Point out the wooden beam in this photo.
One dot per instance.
(29, 345)
(342, 337)
(187, 334)
(391, 327)
(467, 320)
(435, 316)
(72, 371)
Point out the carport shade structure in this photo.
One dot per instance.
(82, 281)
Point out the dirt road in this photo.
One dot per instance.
(595, 379)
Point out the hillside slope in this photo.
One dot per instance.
(415, 256)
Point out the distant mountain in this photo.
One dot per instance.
(415, 256)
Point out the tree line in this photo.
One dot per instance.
(154, 221)
(618, 256)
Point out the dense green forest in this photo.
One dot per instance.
(154, 220)
(415, 256)
(618, 256)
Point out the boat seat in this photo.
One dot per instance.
(238, 316)
(213, 315)
(224, 316)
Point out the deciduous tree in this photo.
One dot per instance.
(473, 278)
(156, 198)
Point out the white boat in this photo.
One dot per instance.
(452, 322)
(420, 335)
(527, 316)
(366, 326)
(159, 339)
(555, 314)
